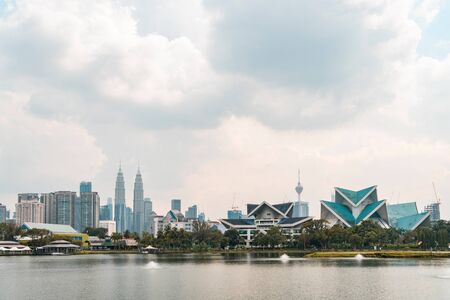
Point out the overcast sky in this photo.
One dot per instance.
(223, 100)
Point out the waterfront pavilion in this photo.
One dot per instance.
(60, 246)
(13, 248)
(260, 217)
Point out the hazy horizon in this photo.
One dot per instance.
(221, 102)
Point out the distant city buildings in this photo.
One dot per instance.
(191, 212)
(175, 204)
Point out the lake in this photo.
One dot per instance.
(242, 276)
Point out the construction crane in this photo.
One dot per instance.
(438, 200)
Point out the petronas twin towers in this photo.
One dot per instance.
(120, 215)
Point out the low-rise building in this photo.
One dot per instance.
(110, 226)
(263, 216)
(60, 232)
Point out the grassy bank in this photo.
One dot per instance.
(381, 254)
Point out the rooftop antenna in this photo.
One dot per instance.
(234, 206)
(438, 200)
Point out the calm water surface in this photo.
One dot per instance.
(220, 277)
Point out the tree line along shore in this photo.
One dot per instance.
(316, 240)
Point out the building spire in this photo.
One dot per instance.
(139, 167)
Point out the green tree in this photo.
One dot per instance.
(232, 237)
(99, 232)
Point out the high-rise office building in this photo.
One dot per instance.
(234, 214)
(29, 209)
(105, 213)
(119, 202)
(148, 215)
(138, 204)
(201, 217)
(49, 201)
(191, 212)
(176, 204)
(434, 210)
(65, 207)
(60, 207)
(3, 214)
(89, 210)
(27, 196)
(129, 219)
(110, 205)
(85, 187)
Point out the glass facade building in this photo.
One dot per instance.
(175, 204)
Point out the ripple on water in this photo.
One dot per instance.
(152, 266)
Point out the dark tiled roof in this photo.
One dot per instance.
(291, 220)
(283, 207)
(238, 222)
(251, 207)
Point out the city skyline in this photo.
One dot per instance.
(217, 99)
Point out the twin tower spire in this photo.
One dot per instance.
(123, 220)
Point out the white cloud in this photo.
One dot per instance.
(42, 155)
(215, 98)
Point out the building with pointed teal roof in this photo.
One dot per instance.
(350, 208)
(405, 216)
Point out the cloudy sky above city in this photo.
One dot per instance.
(222, 101)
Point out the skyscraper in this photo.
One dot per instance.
(3, 213)
(138, 204)
(119, 202)
(176, 204)
(434, 210)
(89, 210)
(129, 219)
(65, 207)
(49, 201)
(191, 212)
(29, 209)
(110, 205)
(148, 215)
(85, 187)
(105, 214)
(201, 217)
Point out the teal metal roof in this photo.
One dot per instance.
(341, 210)
(355, 196)
(396, 211)
(409, 222)
(369, 209)
(53, 228)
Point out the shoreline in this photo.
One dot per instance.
(293, 252)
